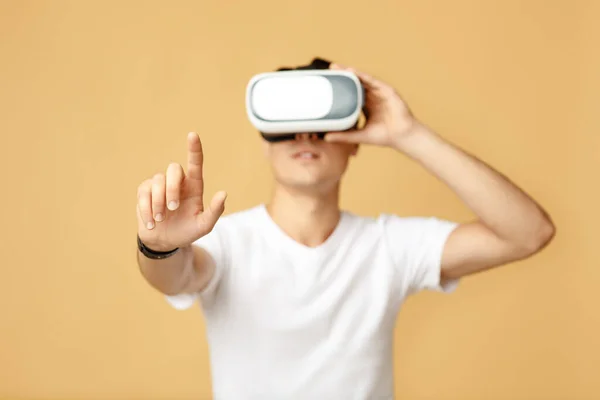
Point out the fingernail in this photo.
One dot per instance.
(150, 225)
(173, 205)
(158, 217)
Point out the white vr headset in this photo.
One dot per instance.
(308, 99)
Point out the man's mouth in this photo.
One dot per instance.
(305, 155)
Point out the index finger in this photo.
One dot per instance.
(195, 156)
(367, 80)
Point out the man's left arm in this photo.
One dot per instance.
(510, 225)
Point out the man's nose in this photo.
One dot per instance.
(306, 136)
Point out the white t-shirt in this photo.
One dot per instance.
(288, 322)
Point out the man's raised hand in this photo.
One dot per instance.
(170, 205)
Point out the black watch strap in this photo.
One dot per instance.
(153, 254)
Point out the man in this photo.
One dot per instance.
(300, 297)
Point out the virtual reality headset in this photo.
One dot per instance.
(308, 99)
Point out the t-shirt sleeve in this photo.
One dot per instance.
(213, 244)
(416, 245)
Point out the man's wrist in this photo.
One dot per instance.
(417, 142)
(154, 253)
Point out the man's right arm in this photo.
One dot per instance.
(171, 214)
(189, 270)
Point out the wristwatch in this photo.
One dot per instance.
(153, 254)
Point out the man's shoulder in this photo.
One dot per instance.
(383, 218)
(241, 217)
(386, 221)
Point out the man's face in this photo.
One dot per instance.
(308, 163)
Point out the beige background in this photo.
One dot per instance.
(96, 96)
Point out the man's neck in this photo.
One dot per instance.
(308, 218)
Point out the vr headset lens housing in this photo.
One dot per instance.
(284, 103)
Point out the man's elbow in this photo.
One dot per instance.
(539, 238)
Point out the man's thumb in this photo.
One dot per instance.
(210, 216)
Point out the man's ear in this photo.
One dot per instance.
(265, 147)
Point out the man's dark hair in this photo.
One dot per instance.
(316, 63)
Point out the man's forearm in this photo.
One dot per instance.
(504, 208)
(169, 275)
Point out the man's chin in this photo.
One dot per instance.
(312, 186)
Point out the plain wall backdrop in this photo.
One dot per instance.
(97, 96)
